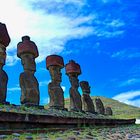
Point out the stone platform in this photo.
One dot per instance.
(12, 120)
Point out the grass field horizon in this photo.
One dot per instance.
(120, 110)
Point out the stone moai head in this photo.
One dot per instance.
(4, 42)
(108, 111)
(27, 51)
(54, 64)
(85, 87)
(73, 70)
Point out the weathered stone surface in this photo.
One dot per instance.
(27, 51)
(27, 46)
(99, 106)
(4, 42)
(3, 85)
(108, 111)
(4, 36)
(59, 138)
(16, 139)
(29, 89)
(23, 121)
(2, 137)
(29, 138)
(54, 65)
(86, 99)
(71, 138)
(73, 70)
(3, 79)
(16, 134)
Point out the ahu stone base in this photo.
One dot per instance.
(9, 120)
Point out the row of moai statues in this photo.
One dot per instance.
(27, 51)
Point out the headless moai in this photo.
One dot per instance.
(86, 99)
(99, 106)
(4, 42)
(27, 51)
(108, 111)
(73, 70)
(54, 65)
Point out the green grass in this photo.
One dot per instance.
(120, 110)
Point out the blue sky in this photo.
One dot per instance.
(103, 36)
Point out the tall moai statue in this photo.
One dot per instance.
(86, 99)
(73, 70)
(108, 111)
(54, 64)
(99, 106)
(4, 42)
(27, 51)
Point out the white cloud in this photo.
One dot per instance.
(103, 26)
(76, 2)
(118, 54)
(49, 31)
(108, 34)
(14, 89)
(110, 1)
(116, 23)
(126, 54)
(44, 83)
(11, 60)
(64, 88)
(128, 98)
(50, 28)
(128, 82)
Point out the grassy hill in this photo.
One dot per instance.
(120, 110)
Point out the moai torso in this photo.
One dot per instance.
(73, 70)
(54, 65)
(75, 100)
(3, 86)
(86, 99)
(56, 96)
(4, 42)
(27, 51)
(108, 111)
(29, 89)
(99, 106)
(75, 97)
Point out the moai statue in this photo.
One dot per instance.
(54, 64)
(27, 51)
(73, 70)
(4, 42)
(86, 99)
(99, 106)
(108, 111)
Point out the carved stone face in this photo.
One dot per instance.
(55, 72)
(74, 80)
(85, 88)
(28, 62)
